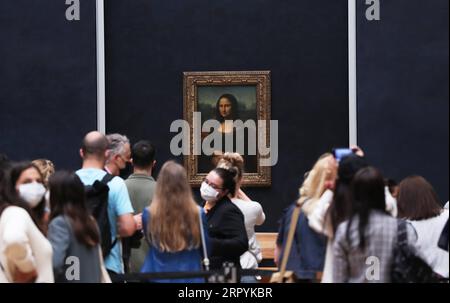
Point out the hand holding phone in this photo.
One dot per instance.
(357, 150)
(340, 153)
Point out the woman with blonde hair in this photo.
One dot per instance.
(318, 180)
(46, 167)
(172, 226)
(334, 207)
(252, 211)
(307, 256)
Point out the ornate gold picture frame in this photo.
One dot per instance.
(205, 93)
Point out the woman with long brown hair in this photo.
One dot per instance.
(25, 253)
(172, 226)
(73, 232)
(28, 181)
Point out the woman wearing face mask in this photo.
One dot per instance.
(25, 253)
(28, 182)
(252, 211)
(228, 236)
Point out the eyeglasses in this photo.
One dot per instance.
(212, 184)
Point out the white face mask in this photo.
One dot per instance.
(32, 193)
(208, 193)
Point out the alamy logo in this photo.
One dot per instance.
(373, 11)
(373, 269)
(73, 268)
(73, 11)
(255, 143)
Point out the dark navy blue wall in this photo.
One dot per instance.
(403, 89)
(304, 43)
(47, 80)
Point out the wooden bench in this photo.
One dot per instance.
(267, 242)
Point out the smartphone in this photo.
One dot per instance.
(340, 153)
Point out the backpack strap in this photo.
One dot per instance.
(402, 234)
(296, 234)
(105, 180)
(108, 177)
(114, 243)
(291, 234)
(205, 260)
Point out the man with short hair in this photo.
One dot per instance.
(141, 187)
(94, 149)
(119, 153)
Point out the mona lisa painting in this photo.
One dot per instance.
(227, 106)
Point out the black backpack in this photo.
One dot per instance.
(407, 267)
(97, 204)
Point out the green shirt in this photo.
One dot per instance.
(141, 189)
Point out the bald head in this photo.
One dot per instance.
(95, 145)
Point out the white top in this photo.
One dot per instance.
(253, 215)
(23, 247)
(317, 222)
(428, 233)
(391, 203)
(317, 218)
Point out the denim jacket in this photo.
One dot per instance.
(307, 256)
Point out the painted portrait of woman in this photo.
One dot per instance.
(227, 108)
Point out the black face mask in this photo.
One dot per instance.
(127, 171)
